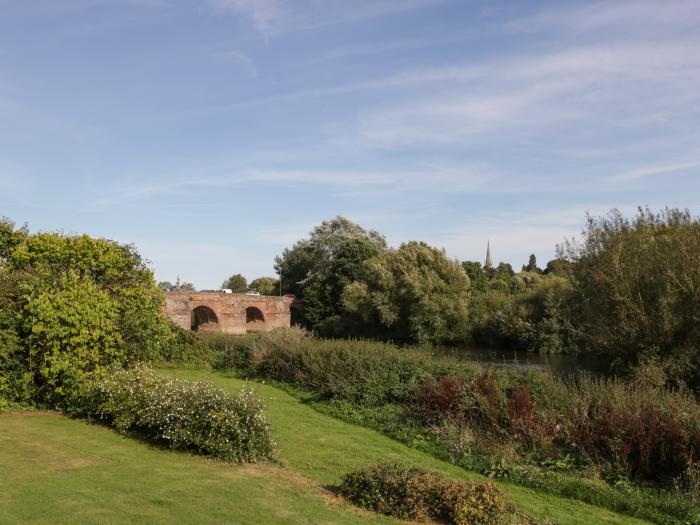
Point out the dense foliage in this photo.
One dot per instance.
(71, 305)
(523, 425)
(601, 418)
(318, 268)
(237, 283)
(194, 416)
(637, 290)
(264, 285)
(626, 295)
(351, 284)
(416, 494)
(69, 329)
(415, 293)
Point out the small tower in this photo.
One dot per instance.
(489, 260)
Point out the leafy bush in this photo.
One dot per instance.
(415, 494)
(364, 372)
(71, 305)
(193, 416)
(70, 330)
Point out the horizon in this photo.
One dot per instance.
(212, 134)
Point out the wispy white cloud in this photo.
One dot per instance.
(657, 170)
(432, 177)
(239, 57)
(591, 85)
(274, 17)
(635, 16)
(267, 16)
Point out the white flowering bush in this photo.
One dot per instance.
(193, 416)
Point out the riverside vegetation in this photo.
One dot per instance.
(75, 310)
(626, 292)
(630, 446)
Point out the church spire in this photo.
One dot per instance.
(489, 260)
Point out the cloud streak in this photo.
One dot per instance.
(272, 18)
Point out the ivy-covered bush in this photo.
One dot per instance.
(415, 494)
(194, 416)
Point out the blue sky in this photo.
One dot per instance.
(213, 133)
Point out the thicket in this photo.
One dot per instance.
(193, 416)
(636, 298)
(497, 420)
(416, 494)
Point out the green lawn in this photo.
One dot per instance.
(57, 470)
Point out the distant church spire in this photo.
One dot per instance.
(489, 260)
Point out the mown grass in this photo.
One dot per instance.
(56, 470)
(323, 449)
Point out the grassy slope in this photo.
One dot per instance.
(322, 449)
(56, 470)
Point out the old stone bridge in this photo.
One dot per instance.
(229, 313)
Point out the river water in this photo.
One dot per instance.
(560, 364)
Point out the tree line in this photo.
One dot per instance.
(627, 290)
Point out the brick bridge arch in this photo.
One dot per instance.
(228, 313)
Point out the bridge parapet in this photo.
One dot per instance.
(229, 313)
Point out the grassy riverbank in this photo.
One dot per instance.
(60, 470)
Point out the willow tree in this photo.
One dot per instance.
(415, 292)
(638, 290)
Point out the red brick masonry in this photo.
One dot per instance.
(229, 313)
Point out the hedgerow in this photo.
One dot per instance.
(193, 416)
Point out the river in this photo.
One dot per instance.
(560, 364)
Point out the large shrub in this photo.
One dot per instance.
(193, 416)
(365, 372)
(416, 494)
(69, 306)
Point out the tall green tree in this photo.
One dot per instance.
(531, 266)
(416, 293)
(477, 276)
(319, 267)
(236, 283)
(264, 285)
